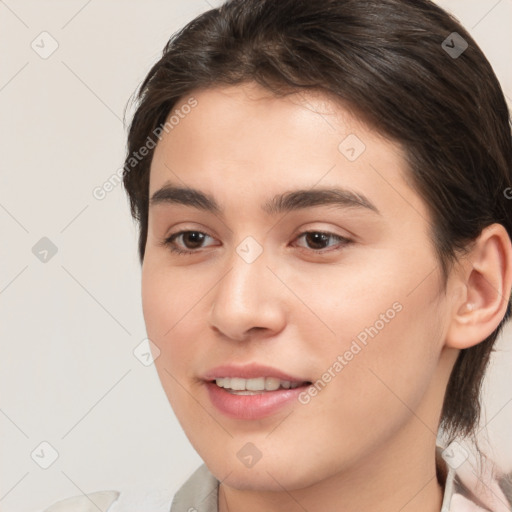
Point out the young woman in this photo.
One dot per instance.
(324, 198)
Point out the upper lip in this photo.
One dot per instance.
(249, 371)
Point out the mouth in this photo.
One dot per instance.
(256, 385)
(252, 391)
(255, 398)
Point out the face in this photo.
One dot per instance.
(308, 260)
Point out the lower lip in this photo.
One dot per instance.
(251, 407)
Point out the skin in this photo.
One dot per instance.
(371, 429)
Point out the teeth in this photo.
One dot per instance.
(256, 384)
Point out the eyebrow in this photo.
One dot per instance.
(280, 203)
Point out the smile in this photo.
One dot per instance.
(257, 385)
(253, 404)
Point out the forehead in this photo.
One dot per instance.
(246, 138)
(248, 111)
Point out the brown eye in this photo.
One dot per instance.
(190, 241)
(319, 240)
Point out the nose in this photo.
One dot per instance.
(249, 298)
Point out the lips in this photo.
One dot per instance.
(260, 390)
(253, 406)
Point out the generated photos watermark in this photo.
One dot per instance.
(101, 191)
(357, 345)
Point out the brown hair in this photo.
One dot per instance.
(400, 68)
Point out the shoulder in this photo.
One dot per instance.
(198, 493)
(468, 487)
(91, 502)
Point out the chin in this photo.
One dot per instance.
(261, 477)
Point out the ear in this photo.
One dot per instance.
(482, 285)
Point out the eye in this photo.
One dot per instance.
(191, 239)
(319, 240)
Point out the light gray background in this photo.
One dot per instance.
(68, 328)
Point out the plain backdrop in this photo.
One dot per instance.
(70, 306)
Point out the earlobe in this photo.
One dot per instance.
(486, 276)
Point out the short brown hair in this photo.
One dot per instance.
(398, 66)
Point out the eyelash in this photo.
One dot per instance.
(169, 242)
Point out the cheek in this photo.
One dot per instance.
(168, 296)
(167, 302)
(388, 337)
